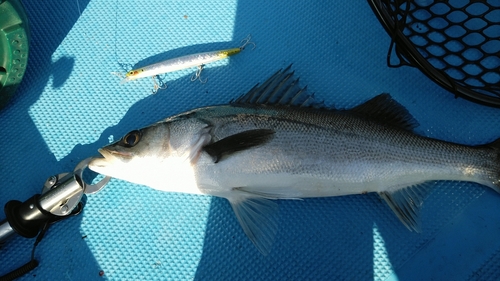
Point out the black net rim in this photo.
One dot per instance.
(408, 52)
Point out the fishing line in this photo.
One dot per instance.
(78, 5)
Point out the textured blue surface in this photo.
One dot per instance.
(70, 104)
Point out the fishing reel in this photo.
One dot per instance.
(61, 197)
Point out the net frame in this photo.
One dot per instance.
(455, 43)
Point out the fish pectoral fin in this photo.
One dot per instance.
(202, 139)
(238, 142)
(406, 203)
(258, 216)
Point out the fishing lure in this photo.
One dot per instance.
(184, 62)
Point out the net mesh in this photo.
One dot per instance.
(456, 43)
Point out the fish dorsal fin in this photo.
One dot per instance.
(258, 216)
(280, 89)
(385, 110)
(406, 203)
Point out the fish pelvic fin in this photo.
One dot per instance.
(258, 217)
(406, 204)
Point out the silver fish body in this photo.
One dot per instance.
(316, 153)
(276, 143)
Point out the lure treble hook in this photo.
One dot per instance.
(196, 76)
(247, 41)
(157, 86)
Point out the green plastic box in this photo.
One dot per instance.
(14, 39)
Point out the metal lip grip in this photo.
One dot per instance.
(61, 197)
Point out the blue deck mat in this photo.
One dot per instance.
(70, 104)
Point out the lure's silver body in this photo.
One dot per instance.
(179, 63)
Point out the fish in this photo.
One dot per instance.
(278, 142)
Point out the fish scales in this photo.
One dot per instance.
(345, 149)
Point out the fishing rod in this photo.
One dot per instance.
(61, 198)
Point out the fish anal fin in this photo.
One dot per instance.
(385, 110)
(258, 216)
(238, 142)
(406, 203)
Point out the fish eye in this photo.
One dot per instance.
(131, 139)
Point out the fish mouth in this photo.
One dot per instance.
(108, 153)
(108, 157)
